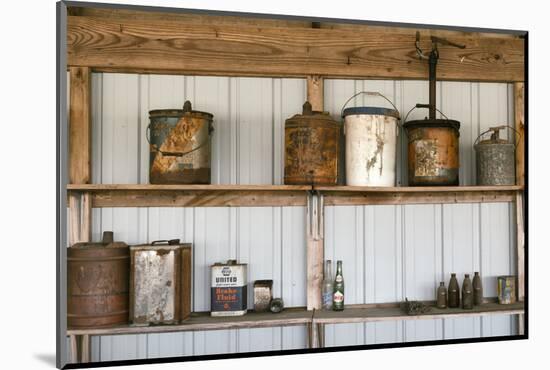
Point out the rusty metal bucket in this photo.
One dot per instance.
(98, 283)
(179, 146)
(495, 158)
(433, 151)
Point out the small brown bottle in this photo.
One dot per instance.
(478, 289)
(441, 296)
(453, 297)
(467, 293)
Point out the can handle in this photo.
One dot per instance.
(371, 93)
(167, 242)
(427, 106)
(496, 129)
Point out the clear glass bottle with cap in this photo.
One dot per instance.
(328, 287)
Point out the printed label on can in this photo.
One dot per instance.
(228, 293)
(426, 158)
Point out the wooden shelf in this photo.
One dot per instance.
(393, 312)
(365, 195)
(146, 195)
(203, 321)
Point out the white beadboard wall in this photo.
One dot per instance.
(389, 252)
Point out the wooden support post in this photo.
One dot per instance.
(315, 251)
(74, 219)
(315, 92)
(321, 330)
(314, 333)
(73, 349)
(85, 348)
(80, 126)
(519, 105)
(520, 257)
(86, 224)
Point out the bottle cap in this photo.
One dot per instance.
(453, 274)
(467, 275)
(441, 283)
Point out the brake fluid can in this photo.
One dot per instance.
(228, 289)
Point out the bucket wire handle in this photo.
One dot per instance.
(186, 109)
(371, 93)
(424, 106)
(498, 128)
(169, 242)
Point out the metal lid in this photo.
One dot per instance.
(309, 115)
(450, 123)
(107, 242)
(379, 111)
(177, 113)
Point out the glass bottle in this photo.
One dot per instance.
(328, 287)
(453, 297)
(441, 296)
(467, 293)
(478, 289)
(338, 296)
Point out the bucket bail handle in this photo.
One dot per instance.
(495, 131)
(370, 93)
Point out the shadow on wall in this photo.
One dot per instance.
(47, 358)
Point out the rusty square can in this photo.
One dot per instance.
(506, 289)
(160, 283)
(262, 295)
(228, 289)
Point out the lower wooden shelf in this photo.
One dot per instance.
(371, 313)
(203, 321)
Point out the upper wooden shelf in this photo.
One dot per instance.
(148, 195)
(116, 40)
(364, 195)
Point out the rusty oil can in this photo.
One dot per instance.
(160, 283)
(228, 293)
(311, 148)
(262, 295)
(495, 158)
(179, 146)
(98, 283)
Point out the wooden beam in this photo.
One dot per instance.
(314, 252)
(86, 222)
(74, 218)
(73, 344)
(519, 105)
(315, 92)
(155, 46)
(80, 126)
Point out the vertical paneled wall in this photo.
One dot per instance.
(389, 252)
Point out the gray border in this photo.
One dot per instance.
(61, 188)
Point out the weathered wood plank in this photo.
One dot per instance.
(137, 45)
(417, 189)
(80, 126)
(74, 218)
(359, 315)
(520, 233)
(519, 105)
(315, 92)
(86, 221)
(314, 253)
(73, 343)
(206, 198)
(153, 187)
(203, 321)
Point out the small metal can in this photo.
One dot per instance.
(506, 289)
(262, 295)
(228, 289)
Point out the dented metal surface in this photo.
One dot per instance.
(433, 152)
(495, 159)
(180, 146)
(311, 148)
(97, 283)
(262, 295)
(156, 277)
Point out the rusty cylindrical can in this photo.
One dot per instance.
(160, 276)
(371, 144)
(506, 289)
(262, 295)
(97, 283)
(311, 148)
(179, 146)
(495, 159)
(433, 151)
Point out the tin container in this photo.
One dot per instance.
(433, 151)
(97, 283)
(371, 144)
(228, 293)
(495, 159)
(262, 295)
(180, 144)
(311, 148)
(160, 289)
(506, 289)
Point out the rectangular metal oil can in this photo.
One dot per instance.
(228, 289)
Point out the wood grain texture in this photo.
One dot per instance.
(314, 253)
(74, 218)
(315, 92)
(138, 45)
(358, 315)
(86, 220)
(152, 187)
(520, 234)
(80, 126)
(203, 321)
(519, 108)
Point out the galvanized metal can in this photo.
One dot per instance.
(158, 287)
(180, 144)
(433, 151)
(262, 295)
(495, 159)
(506, 289)
(371, 144)
(97, 283)
(311, 148)
(228, 291)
